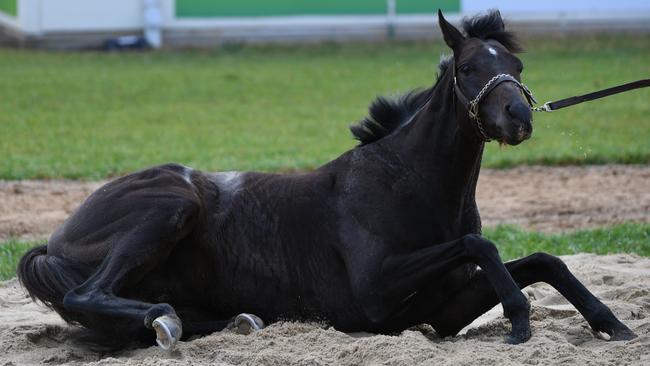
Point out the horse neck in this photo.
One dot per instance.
(441, 146)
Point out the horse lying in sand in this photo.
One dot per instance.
(382, 238)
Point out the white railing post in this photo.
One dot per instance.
(153, 22)
(391, 11)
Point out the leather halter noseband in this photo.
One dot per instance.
(472, 106)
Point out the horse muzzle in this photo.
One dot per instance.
(519, 126)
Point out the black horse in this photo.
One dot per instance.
(382, 238)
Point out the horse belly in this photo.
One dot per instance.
(278, 285)
(273, 240)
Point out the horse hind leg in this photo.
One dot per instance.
(50, 279)
(139, 241)
(133, 256)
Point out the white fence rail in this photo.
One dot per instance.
(73, 23)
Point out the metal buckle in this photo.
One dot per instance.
(473, 110)
(543, 108)
(528, 93)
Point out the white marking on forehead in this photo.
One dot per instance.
(492, 51)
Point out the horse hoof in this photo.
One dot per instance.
(625, 334)
(168, 331)
(612, 328)
(519, 338)
(246, 323)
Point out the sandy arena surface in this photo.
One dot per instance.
(31, 334)
(541, 198)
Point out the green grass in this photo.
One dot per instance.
(93, 115)
(625, 238)
(10, 253)
(511, 241)
(9, 7)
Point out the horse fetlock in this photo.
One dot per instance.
(158, 311)
(168, 330)
(520, 333)
(518, 312)
(603, 320)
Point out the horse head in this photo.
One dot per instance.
(487, 79)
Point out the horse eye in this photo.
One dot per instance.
(465, 69)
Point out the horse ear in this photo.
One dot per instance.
(452, 36)
(497, 15)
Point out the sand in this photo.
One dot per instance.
(552, 199)
(31, 334)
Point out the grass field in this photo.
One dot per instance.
(511, 241)
(92, 115)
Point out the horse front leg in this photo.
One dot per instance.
(477, 296)
(403, 275)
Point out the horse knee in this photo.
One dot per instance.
(548, 259)
(478, 246)
(549, 264)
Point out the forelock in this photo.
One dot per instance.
(490, 26)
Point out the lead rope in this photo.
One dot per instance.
(567, 102)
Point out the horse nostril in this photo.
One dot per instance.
(519, 111)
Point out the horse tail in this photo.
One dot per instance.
(48, 278)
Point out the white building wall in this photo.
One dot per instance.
(92, 15)
(555, 6)
(44, 18)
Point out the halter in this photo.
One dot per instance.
(473, 105)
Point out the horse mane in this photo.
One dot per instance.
(385, 115)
